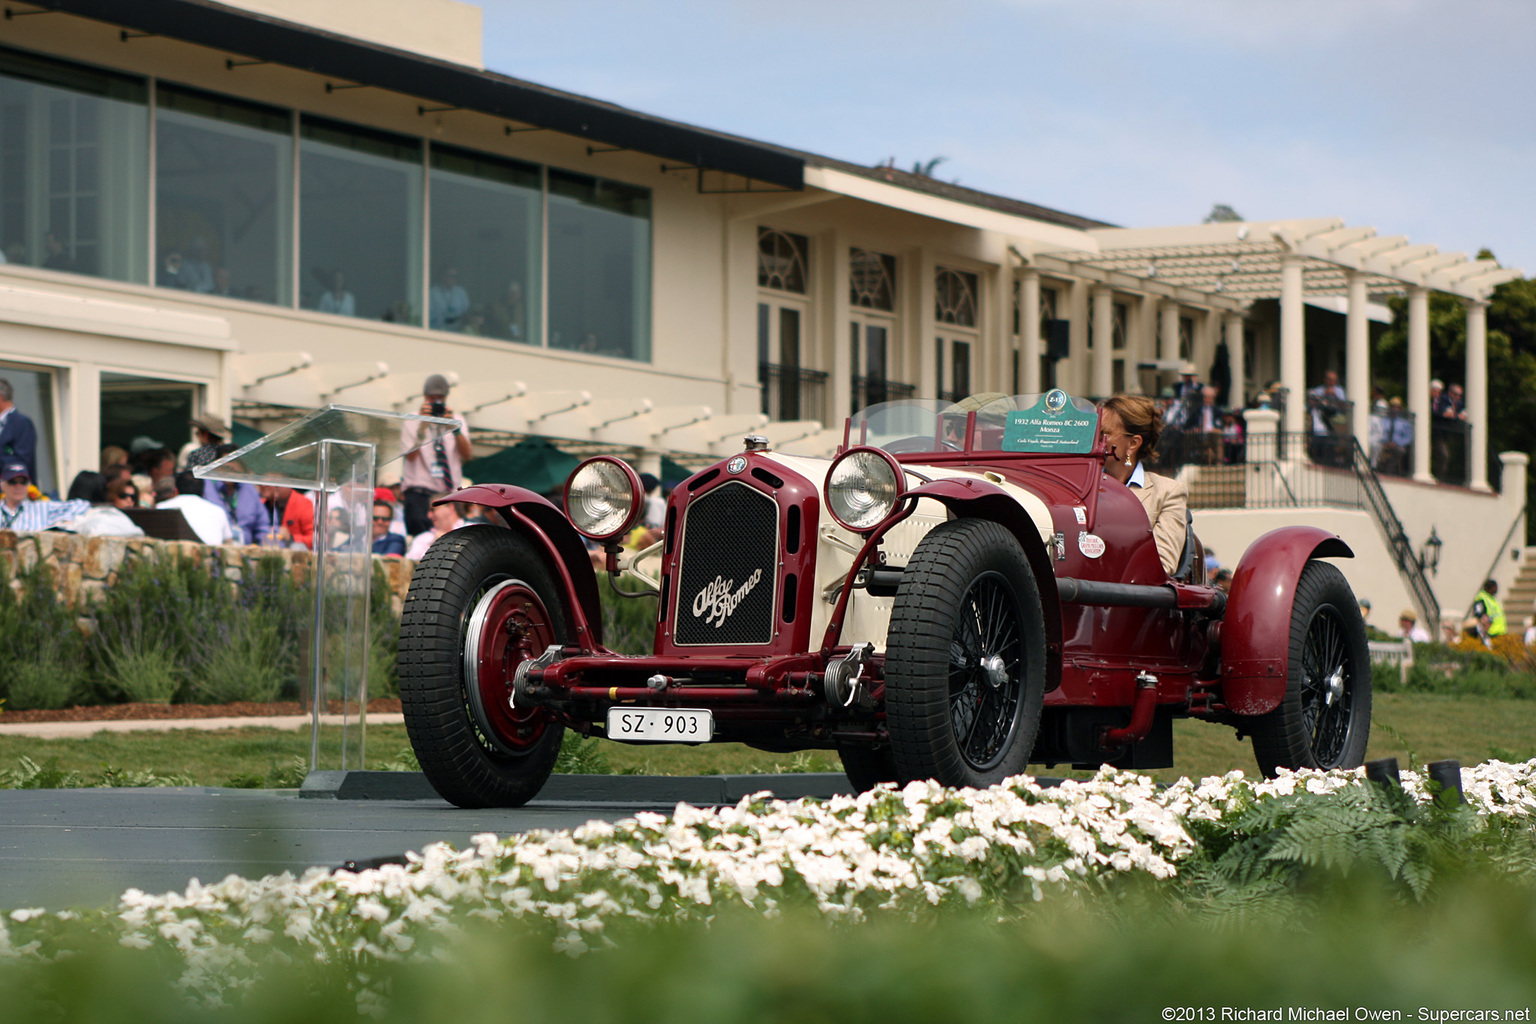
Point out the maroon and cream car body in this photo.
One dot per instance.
(960, 592)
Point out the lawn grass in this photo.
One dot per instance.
(1411, 727)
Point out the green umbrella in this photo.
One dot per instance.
(535, 464)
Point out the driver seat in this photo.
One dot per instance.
(1191, 567)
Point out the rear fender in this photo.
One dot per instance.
(1256, 630)
(981, 499)
(545, 526)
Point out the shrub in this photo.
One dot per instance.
(142, 670)
(244, 658)
(629, 623)
(40, 645)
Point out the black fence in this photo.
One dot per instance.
(1392, 442)
(1449, 443)
(793, 393)
(868, 391)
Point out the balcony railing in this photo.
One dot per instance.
(1449, 442)
(1391, 442)
(868, 391)
(793, 393)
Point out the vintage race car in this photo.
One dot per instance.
(960, 592)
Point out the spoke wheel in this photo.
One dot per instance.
(481, 602)
(1324, 719)
(965, 664)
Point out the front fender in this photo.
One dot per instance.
(980, 499)
(541, 521)
(1256, 630)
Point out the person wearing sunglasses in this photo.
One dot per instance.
(385, 542)
(19, 514)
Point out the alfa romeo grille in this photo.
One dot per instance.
(728, 568)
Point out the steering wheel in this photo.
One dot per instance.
(918, 443)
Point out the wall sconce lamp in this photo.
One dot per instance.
(1429, 554)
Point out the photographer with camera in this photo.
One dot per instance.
(435, 468)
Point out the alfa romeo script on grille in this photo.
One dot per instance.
(720, 598)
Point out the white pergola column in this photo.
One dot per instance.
(1357, 358)
(1418, 379)
(1293, 348)
(1237, 398)
(1477, 394)
(1168, 331)
(1029, 331)
(1103, 381)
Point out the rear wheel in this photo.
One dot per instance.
(965, 658)
(1324, 719)
(481, 602)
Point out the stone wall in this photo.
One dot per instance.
(84, 567)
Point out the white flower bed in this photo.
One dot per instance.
(888, 850)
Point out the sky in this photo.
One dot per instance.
(1416, 117)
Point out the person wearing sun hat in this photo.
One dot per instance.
(1409, 629)
(209, 431)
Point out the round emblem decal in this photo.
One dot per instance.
(737, 464)
(1055, 400)
(1090, 544)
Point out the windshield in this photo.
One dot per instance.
(1053, 422)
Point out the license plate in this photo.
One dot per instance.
(660, 725)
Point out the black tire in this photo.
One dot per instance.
(475, 749)
(1324, 719)
(867, 767)
(967, 597)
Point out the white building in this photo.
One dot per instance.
(256, 208)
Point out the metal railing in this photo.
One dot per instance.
(1264, 479)
(793, 392)
(1408, 564)
(1392, 437)
(868, 391)
(1449, 442)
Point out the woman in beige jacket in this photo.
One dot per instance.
(1131, 426)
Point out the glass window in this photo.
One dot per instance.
(74, 166)
(486, 228)
(782, 258)
(599, 266)
(360, 216)
(32, 391)
(954, 297)
(223, 196)
(872, 280)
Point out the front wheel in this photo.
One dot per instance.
(965, 658)
(481, 602)
(1324, 719)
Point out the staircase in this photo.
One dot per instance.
(1520, 601)
(1217, 486)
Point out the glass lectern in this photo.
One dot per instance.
(335, 452)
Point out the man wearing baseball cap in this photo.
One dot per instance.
(434, 468)
(20, 515)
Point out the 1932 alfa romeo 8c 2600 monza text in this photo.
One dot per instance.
(960, 592)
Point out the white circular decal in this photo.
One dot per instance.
(737, 464)
(1090, 544)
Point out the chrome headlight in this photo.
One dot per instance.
(603, 498)
(863, 488)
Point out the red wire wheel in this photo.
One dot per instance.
(509, 625)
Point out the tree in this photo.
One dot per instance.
(1221, 213)
(1511, 361)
